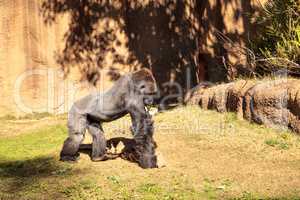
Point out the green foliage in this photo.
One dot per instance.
(278, 41)
(114, 179)
(281, 142)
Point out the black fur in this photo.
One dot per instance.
(128, 95)
(143, 149)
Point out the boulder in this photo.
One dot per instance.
(209, 97)
(274, 104)
(193, 96)
(219, 97)
(235, 95)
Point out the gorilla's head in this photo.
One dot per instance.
(145, 84)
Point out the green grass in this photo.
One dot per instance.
(274, 142)
(32, 116)
(209, 156)
(84, 189)
(282, 141)
(30, 145)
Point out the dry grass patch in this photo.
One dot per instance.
(209, 156)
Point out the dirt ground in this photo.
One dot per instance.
(208, 156)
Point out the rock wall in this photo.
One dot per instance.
(275, 103)
(31, 79)
(27, 50)
(178, 40)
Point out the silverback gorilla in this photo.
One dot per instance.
(130, 94)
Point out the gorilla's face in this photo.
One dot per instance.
(146, 85)
(149, 91)
(147, 88)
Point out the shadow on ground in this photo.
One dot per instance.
(19, 176)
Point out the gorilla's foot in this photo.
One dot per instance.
(67, 158)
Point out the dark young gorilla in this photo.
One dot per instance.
(130, 94)
(142, 151)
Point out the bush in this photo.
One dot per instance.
(277, 45)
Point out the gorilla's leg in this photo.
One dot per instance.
(70, 149)
(99, 143)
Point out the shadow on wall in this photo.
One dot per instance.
(162, 37)
(226, 29)
(169, 36)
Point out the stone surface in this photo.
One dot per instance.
(274, 103)
(219, 97)
(235, 96)
(160, 35)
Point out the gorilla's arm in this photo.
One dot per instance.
(137, 113)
